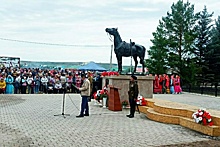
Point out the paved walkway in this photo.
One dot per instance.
(28, 120)
(202, 101)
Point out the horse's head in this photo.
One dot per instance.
(112, 31)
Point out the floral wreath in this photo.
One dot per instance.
(100, 94)
(202, 117)
(141, 101)
(124, 102)
(110, 73)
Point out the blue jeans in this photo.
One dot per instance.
(84, 106)
(37, 88)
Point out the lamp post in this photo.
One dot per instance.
(131, 57)
(111, 58)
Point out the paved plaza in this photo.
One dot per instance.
(28, 120)
(202, 101)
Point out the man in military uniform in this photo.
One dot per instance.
(133, 94)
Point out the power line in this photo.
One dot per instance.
(52, 44)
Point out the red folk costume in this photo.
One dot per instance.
(157, 88)
(156, 82)
(160, 82)
(167, 84)
(177, 87)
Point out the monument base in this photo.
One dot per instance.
(145, 85)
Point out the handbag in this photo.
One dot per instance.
(24, 84)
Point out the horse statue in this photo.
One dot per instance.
(123, 49)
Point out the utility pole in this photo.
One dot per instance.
(111, 58)
(131, 57)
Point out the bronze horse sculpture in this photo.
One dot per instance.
(123, 49)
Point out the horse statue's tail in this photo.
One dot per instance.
(144, 50)
(142, 59)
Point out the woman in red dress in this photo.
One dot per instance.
(177, 87)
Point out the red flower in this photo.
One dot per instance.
(204, 122)
(110, 73)
(203, 117)
(95, 95)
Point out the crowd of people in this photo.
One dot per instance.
(167, 84)
(34, 81)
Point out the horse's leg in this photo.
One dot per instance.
(119, 59)
(120, 64)
(135, 63)
(143, 64)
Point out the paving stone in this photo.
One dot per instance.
(28, 120)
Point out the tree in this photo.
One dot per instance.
(213, 54)
(180, 27)
(158, 52)
(203, 29)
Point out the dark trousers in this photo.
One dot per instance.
(23, 89)
(44, 88)
(132, 106)
(2, 90)
(16, 90)
(84, 105)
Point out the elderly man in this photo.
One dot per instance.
(85, 93)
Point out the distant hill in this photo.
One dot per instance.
(71, 65)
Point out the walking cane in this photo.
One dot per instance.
(138, 108)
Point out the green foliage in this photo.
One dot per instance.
(158, 52)
(124, 103)
(180, 26)
(182, 43)
(203, 39)
(214, 51)
(103, 95)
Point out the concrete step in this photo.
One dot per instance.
(173, 109)
(143, 109)
(178, 109)
(183, 121)
(151, 114)
(208, 130)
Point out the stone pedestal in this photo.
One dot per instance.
(145, 85)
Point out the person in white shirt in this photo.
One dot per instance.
(30, 82)
(17, 84)
(44, 81)
(58, 87)
(63, 80)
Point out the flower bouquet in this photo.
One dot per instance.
(141, 101)
(99, 95)
(202, 117)
(124, 103)
(110, 73)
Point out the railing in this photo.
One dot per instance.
(208, 90)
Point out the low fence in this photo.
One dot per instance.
(208, 90)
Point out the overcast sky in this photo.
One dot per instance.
(81, 23)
